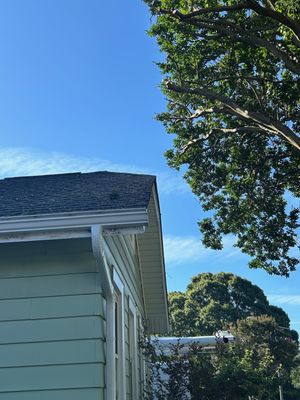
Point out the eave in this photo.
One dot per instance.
(69, 225)
(151, 256)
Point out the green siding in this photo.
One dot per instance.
(52, 322)
(51, 377)
(66, 394)
(50, 307)
(48, 353)
(125, 259)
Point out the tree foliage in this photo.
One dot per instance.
(295, 375)
(231, 78)
(216, 301)
(261, 360)
(265, 350)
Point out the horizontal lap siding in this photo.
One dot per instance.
(52, 322)
(65, 394)
(124, 258)
(52, 353)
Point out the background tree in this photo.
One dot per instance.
(231, 74)
(295, 375)
(215, 301)
(249, 369)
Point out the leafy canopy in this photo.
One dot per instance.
(265, 350)
(231, 79)
(216, 301)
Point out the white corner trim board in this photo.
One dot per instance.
(119, 299)
(134, 340)
(108, 288)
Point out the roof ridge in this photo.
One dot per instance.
(40, 176)
(62, 174)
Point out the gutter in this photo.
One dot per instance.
(44, 222)
(72, 225)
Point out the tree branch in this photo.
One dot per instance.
(202, 112)
(230, 29)
(263, 121)
(278, 16)
(251, 78)
(235, 7)
(241, 129)
(255, 6)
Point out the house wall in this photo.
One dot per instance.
(52, 322)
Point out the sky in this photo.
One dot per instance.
(79, 90)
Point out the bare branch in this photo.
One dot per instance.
(214, 110)
(201, 112)
(241, 129)
(244, 129)
(256, 94)
(251, 78)
(267, 124)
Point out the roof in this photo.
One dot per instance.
(74, 192)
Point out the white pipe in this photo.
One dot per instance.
(107, 286)
(165, 344)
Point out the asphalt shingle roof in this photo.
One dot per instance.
(75, 192)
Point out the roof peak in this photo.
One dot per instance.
(79, 173)
(40, 175)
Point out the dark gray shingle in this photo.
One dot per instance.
(47, 194)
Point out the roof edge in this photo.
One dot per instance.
(164, 279)
(45, 222)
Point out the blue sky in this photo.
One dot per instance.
(78, 92)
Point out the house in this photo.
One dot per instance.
(81, 272)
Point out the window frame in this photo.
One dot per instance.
(119, 331)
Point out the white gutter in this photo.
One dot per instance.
(44, 222)
(107, 286)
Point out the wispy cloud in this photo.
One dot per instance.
(293, 300)
(21, 162)
(188, 249)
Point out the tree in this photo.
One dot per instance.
(265, 350)
(269, 350)
(231, 78)
(249, 369)
(295, 375)
(216, 301)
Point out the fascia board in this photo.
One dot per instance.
(126, 217)
(164, 279)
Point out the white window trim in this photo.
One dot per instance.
(141, 359)
(119, 291)
(135, 378)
